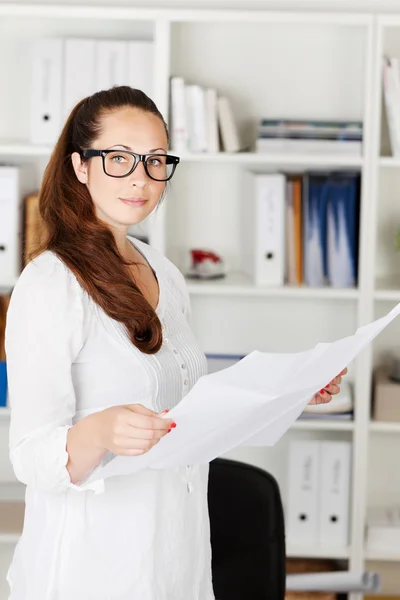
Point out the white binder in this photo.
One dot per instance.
(334, 494)
(179, 129)
(302, 497)
(263, 228)
(141, 66)
(111, 64)
(196, 115)
(10, 227)
(79, 71)
(46, 90)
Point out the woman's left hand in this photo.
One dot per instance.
(325, 395)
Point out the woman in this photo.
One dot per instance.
(98, 346)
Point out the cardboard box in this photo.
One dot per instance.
(386, 405)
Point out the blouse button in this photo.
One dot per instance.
(183, 366)
(190, 487)
(186, 382)
(165, 340)
(175, 351)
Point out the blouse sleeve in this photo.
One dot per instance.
(44, 334)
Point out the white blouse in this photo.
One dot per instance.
(140, 537)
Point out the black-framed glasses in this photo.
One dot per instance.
(121, 163)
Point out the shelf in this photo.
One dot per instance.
(276, 159)
(316, 552)
(389, 162)
(380, 555)
(11, 521)
(10, 148)
(323, 425)
(236, 284)
(384, 427)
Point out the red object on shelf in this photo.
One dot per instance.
(206, 264)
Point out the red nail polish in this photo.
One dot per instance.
(321, 391)
(169, 430)
(173, 425)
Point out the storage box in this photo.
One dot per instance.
(386, 406)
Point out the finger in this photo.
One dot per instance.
(332, 389)
(146, 434)
(146, 422)
(323, 397)
(142, 410)
(344, 372)
(337, 380)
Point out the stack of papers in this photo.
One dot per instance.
(252, 403)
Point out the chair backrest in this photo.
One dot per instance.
(247, 532)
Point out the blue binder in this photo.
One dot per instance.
(315, 198)
(343, 224)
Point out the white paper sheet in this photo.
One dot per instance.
(251, 403)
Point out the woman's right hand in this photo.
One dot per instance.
(130, 430)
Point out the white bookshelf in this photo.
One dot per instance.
(333, 59)
(236, 284)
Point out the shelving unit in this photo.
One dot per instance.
(236, 284)
(333, 62)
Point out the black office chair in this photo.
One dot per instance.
(247, 532)
(248, 540)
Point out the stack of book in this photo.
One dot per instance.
(201, 120)
(285, 135)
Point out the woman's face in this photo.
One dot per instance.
(122, 202)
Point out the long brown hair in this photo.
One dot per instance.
(75, 234)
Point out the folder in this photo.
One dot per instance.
(227, 125)
(298, 228)
(79, 72)
(294, 230)
(334, 498)
(315, 229)
(263, 228)
(178, 116)
(196, 116)
(289, 234)
(141, 66)
(342, 230)
(111, 64)
(212, 120)
(10, 226)
(46, 90)
(303, 494)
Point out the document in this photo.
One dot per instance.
(251, 403)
